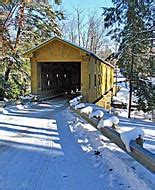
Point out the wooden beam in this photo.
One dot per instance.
(143, 156)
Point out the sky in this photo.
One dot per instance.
(88, 5)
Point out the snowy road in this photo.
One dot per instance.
(39, 150)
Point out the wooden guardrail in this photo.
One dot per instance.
(143, 156)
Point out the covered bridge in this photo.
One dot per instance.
(59, 66)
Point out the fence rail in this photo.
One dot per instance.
(143, 156)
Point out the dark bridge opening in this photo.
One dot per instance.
(64, 77)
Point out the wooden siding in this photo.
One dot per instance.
(104, 83)
(34, 76)
(57, 52)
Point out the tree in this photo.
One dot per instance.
(130, 24)
(25, 25)
(86, 31)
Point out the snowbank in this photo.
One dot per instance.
(97, 114)
(108, 122)
(87, 110)
(133, 134)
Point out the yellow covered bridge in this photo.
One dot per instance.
(59, 66)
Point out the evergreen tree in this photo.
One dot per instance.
(130, 23)
(25, 25)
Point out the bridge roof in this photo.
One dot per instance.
(69, 43)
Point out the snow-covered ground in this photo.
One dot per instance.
(122, 97)
(126, 124)
(46, 146)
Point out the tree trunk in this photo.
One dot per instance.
(130, 85)
(14, 49)
(130, 99)
(8, 70)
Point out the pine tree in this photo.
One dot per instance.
(26, 25)
(130, 24)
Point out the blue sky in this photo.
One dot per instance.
(88, 5)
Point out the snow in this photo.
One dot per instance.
(153, 80)
(87, 110)
(122, 96)
(47, 146)
(121, 79)
(101, 124)
(28, 97)
(74, 103)
(114, 120)
(108, 122)
(133, 134)
(97, 114)
(111, 159)
(6, 100)
(75, 100)
(79, 97)
(79, 106)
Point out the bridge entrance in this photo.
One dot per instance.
(60, 77)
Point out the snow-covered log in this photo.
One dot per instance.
(133, 134)
(87, 110)
(97, 114)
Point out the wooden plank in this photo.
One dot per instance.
(143, 156)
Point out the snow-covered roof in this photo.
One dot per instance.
(70, 43)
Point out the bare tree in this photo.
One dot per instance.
(87, 31)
